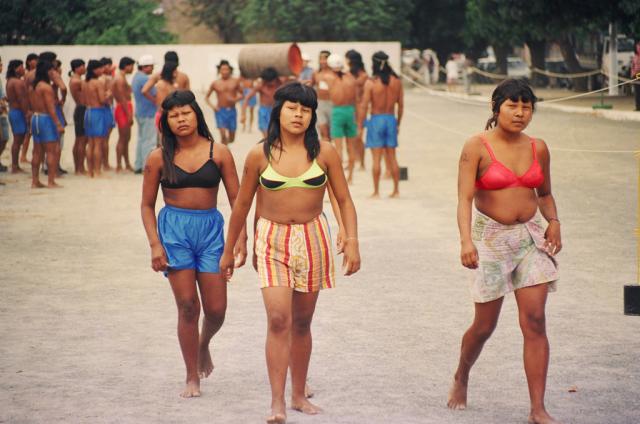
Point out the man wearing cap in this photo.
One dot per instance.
(306, 75)
(145, 112)
(320, 80)
(342, 92)
(123, 112)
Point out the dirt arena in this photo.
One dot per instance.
(88, 329)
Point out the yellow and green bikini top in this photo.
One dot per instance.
(314, 177)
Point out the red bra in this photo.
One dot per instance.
(497, 176)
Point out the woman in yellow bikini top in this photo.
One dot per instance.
(292, 239)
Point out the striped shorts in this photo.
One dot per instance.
(298, 256)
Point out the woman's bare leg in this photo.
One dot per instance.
(484, 322)
(278, 304)
(531, 305)
(213, 292)
(304, 305)
(183, 284)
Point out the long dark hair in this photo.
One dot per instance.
(167, 71)
(510, 89)
(380, 67)
(297, 93)
(11, 69)
(169, 140)
(355, 62)
(91, 69)
(42, 72)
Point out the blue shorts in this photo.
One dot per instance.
(264, 115)
(192, 239)
(227, 117)
(95, 122)
(61, 115)
(18, 122)
(43, 129)
(382, 131)
(110, 117)
(253, 100)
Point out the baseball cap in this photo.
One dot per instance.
(335, 61)
(145, 60)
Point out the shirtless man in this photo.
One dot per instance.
(182, 80)
(123, 112)
(96, 117)
(45, 125)
(30, 64)
(321, 80)
(18, 109)
(383, 92)
(57, 67)
(166, 85)
(247, 85)
(267, 85)
(356, 68)
(108, 71)
(342, 92)
(228, 91)
(76, 86)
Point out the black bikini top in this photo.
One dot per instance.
(208, 176)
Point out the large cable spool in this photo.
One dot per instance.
(285, 58)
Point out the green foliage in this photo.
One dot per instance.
(330, 20)
(82, 22)
(221, 16)
(437, 24)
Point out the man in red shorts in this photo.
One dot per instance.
(123, 112)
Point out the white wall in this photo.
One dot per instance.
(196, 60)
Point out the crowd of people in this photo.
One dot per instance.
(36, 94)
(305, 123)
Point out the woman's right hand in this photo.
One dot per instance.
(469, 255)
(158, 258)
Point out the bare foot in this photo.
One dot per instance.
(130, 168)
(303, 405)
(17, 170)
(107, 168)
(457, 395)
(192, 389)
(205, 365)
(394, 195)
(541, 417)
(37, 185)
(308, 391)
(118, 170)
(25, 160)
(375, 195)
(54, 185)
(278, 413)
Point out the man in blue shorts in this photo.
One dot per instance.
(18, 109)
(383, 93)
(228, 91)
(267, 85)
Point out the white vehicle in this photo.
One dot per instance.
(516, 68)
(625, 53)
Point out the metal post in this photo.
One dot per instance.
(613, 59)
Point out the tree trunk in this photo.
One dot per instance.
(571, 61)
(537, 50)
(501, 52)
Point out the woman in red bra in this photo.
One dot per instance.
(506, 174)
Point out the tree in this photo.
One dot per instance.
(87, 22)
(330, 20)
(221, 16)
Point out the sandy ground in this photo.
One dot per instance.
(88, 330)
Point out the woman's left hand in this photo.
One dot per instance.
(351, 259)
(240, 253)
(553, 241)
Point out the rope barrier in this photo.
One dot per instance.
(588, 92)
(559, 75)
(441, 93)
